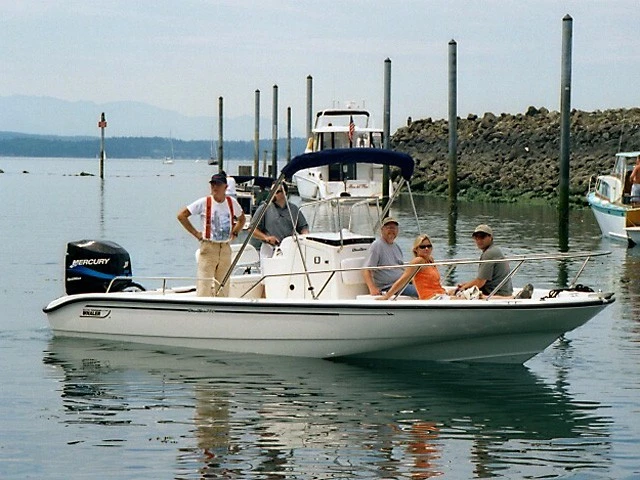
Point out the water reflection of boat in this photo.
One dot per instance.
(630, 289)
(275, 407)
(617, 213)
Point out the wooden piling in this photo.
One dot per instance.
(453, 126)
(565, 118)
(288, 134)
(256, 136)
(386, 129)
(309, 106)
(274, 134)
(220, 135)
(102, 124)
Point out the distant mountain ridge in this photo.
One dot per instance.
(56, 117)
(14, 144)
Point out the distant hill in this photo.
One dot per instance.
(52, 116)
(14, 144)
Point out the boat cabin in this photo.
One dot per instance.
(616, 187)
(342, 129)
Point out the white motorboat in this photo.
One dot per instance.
(310, 300)
(168, 160)
(341, 128)
(617, 214)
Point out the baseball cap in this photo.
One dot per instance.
(389, 220)
(218, 178)
(483, 229)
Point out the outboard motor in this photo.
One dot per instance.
(90, 266)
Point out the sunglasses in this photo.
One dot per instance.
(423, 247)
(480, 235)
(279, 191)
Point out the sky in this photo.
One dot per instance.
(184, 55)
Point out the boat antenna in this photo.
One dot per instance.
(621, 133)
(415, 211)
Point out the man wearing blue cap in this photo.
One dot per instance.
(222, 220)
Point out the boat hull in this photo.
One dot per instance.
(612, 220)
(506, 331)
(633, 233)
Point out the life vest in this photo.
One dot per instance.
(207, 216)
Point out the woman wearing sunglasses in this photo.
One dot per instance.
(427, 280)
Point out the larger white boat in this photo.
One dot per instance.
(310, 300)
(341, 128)
(617, 213)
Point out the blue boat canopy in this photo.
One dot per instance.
(351, 155)
(263, 182)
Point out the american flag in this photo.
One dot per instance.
(352, 128)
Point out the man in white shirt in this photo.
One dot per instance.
(222, 219)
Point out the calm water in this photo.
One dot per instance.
(75, 409)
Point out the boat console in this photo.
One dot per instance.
(287, 276)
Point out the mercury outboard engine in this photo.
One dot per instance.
(90, 266)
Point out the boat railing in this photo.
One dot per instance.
(518, 260)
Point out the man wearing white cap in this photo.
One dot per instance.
(385, 252)
(490, 274)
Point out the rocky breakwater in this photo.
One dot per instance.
(510, 158)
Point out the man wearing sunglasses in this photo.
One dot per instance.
(279, 221)
(490, 274)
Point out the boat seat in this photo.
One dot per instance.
(249, 255)
(352, 277)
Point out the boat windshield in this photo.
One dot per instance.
(620, 167)
(356, 215)
(341, 117)
(336, 139)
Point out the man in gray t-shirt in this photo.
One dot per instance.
(281, 219)
(385, 252)
(490, 274)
